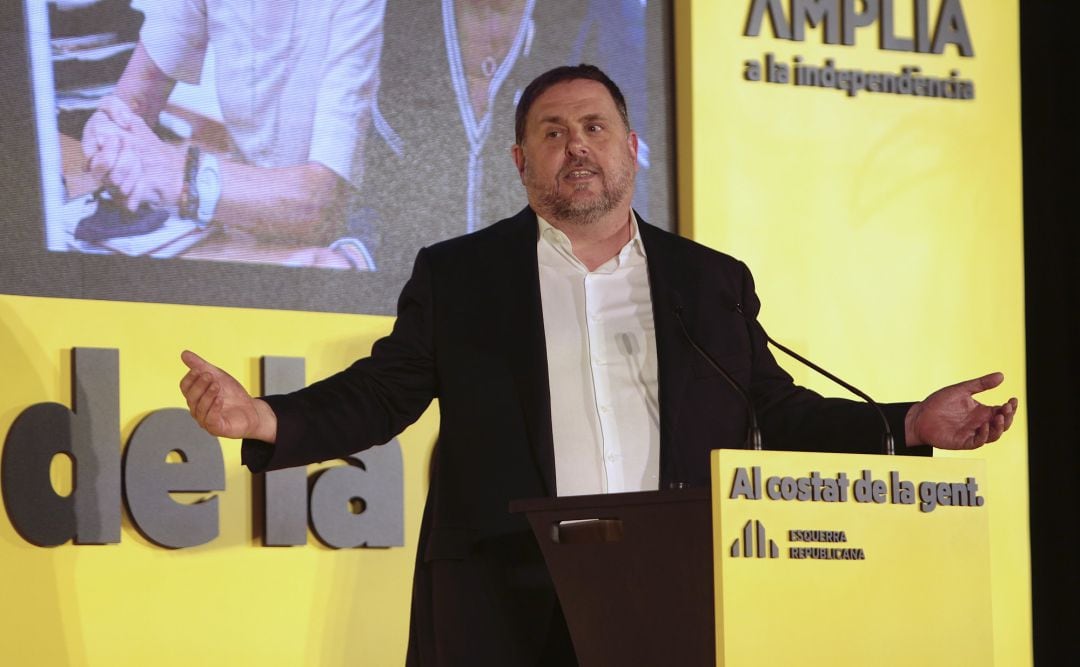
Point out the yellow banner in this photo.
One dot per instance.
(851, 559)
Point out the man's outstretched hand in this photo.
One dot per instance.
(221, 405)
(951, 418)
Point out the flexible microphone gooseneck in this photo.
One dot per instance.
(753, 436)
(887, 443)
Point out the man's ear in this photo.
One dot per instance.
(519, 160)
(632, 144)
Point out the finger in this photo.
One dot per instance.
(983, 383)
(97, 128)
(997, 427)
(93, 166)
(216, 417)
(1007, 412)
(102, 135)
(981, 434)
(197, 390)
(206, 401)
(125, 171)
(189, 379)
(195, 362)
(98, 165)
(1010, 412)
(138, 196)
(105, 159)
(91, 136)
(131, 184)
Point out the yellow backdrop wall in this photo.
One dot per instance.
(884, 230)
(230, 601)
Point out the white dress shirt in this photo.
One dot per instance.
(601, 350)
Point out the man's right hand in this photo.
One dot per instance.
(221, 405)
(102, 137)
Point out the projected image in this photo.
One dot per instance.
(253, 160)
(334, 134)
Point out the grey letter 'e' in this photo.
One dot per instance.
(149, 478)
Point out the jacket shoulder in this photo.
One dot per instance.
(684, 249)
(502, 235)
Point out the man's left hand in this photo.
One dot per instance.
(951, 418)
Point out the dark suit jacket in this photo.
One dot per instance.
(470, 332)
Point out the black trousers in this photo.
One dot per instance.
(495, 607)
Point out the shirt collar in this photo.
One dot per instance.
(557, 238)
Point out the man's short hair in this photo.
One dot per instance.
(559, 75)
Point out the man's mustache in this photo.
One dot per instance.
(580, 164)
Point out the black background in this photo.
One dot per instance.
(1050, 257)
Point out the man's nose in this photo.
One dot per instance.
(575, 145)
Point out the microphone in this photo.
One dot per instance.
(753, 436)
(887, 443)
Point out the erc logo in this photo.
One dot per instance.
(754, 543)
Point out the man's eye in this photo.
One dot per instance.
(595, 127)
(554, 133)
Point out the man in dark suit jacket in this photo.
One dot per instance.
(470, 331)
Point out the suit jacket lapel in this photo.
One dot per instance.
(671, 285)
(526, 347)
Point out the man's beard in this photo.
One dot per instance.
(566, 208)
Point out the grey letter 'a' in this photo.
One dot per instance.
(90, 434)
(375, 478)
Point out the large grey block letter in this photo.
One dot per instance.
(150, 477)
(90, 434)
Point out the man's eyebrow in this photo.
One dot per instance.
(560, 120)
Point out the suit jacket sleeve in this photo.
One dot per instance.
(366, 404)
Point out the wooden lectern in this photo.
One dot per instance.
(634, 574)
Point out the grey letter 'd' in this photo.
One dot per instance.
(90, 434)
